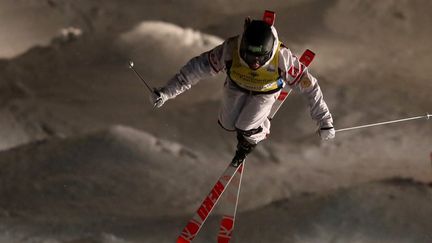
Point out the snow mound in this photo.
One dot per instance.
(171, 35)
(156, 42)
(115, 172)
(395, 210)
(19, 119)
(17, 130)
(387, 19)
(159, 49)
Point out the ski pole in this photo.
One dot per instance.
(427, 116)
(131, 66)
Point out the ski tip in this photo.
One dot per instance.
(182, 240)
(310, 51)
(307, 57)
(269, 17)
(428, 116)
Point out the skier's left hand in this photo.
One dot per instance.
(327, 133)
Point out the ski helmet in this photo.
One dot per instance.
(257, 42)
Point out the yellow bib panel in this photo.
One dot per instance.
(263, 79)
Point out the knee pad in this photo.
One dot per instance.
(243, 144)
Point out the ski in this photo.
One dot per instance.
(194, 225)
(230, 199)
(305, 59)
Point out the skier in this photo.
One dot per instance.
(258, 66)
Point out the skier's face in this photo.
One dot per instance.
(255, 61)
(257, 43)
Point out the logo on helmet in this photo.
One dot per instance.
(255, 49)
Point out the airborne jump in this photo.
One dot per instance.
(258, 66)
(261, 71)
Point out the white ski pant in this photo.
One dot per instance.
(246, 111)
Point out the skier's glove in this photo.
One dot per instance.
(158, 98)
(327, 133)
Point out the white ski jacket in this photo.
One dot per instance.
(215, 61)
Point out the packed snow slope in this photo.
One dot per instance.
(119, 169)
(80, 142)
(344, 215)
(399, 212)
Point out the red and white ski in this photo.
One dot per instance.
(229, 208)
(296, 73)
(194, 225)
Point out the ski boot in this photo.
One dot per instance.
(239, 158)
(243, 149)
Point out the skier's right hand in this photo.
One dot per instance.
(158, 98)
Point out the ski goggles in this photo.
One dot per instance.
(252, 58)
